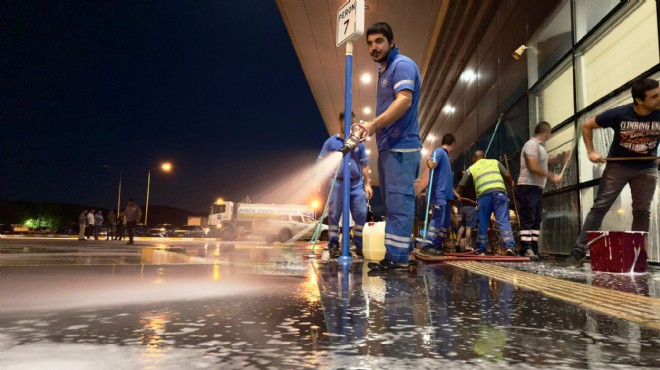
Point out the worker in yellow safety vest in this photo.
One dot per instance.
(489, 178)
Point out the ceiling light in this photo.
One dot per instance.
(468, 75)
(365, 78)
(368, 151)
(430, 138)
(424, 151)
(366, 110)
(448, 109)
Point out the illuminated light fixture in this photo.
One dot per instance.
(366, 110)
(468, 75)
(368, 138)
(448, 109)
(167, 166)
(620, 211)
(519, 52)
(365, 78)
(369, 171)
(368, 151)
(424, 151)
(430, 138)
(219, 201)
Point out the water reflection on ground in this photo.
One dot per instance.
(271, 307)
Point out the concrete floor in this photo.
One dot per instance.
(176, 304)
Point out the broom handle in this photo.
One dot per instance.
(616, 159)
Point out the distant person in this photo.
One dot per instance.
(442, 194)
(467, 202)
(98, 223)
(120, 232)
(110, 221)
(490, 180)
(133, 214)
(90, 223)
(534, 161)
(82, 223)
(399, 146)
(360, 191)
(636, 134)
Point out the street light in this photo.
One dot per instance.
(119, 191)
(166, 167)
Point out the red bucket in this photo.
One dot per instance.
(618, 251)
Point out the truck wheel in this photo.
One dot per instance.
(324, 236)
(227, 234)
(285, 235)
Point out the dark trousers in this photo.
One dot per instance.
(130, 225)
(530, 206)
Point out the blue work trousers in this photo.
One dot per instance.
(397, 172)
(497, 203)
(440, 222)
(358, 212)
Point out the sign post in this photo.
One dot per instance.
(350, 27)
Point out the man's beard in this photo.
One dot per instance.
(382, 58)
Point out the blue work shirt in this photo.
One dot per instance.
(443, 182)
(400, 74)
(358, 157)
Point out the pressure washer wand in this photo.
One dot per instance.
(358, 134)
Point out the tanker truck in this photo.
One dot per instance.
(271, 222)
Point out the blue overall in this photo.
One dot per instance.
(442, 194)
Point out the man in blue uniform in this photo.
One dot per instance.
(399, 147)
(361, 191)
(442, 193)
(636, 135)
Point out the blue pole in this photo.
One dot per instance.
(348, 118)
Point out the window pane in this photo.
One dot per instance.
(561, 155)
(550, 43)
(588, 13)
(559, 229)
(602, 138)
(553, 100)
(625, 49)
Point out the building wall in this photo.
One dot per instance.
(582, 56)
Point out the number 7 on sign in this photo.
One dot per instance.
(346, 23)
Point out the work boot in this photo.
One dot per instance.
(358, 253)
(510, 252)
(430, 252)
(334, 252)
(575, 259)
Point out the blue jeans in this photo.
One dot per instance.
(397, 172)
(615, 177)
(497, 203)
(440, 222)
(358, 210)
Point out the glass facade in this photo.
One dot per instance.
(613, 45)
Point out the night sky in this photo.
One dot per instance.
(215, 87)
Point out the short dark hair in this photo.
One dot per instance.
(640, 86)
(382, 28)
(541, 127)
(448, 139)
(342, 115)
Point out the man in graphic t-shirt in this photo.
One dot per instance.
(636, 134)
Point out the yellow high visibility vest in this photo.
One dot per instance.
(486, 176)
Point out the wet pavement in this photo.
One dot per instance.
(180, 304)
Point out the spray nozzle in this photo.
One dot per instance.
(358, 134)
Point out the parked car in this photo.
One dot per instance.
(70, 229)
(190, 231)
(6, 229)
(43, 230)
(162, 230)
(140, 230)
